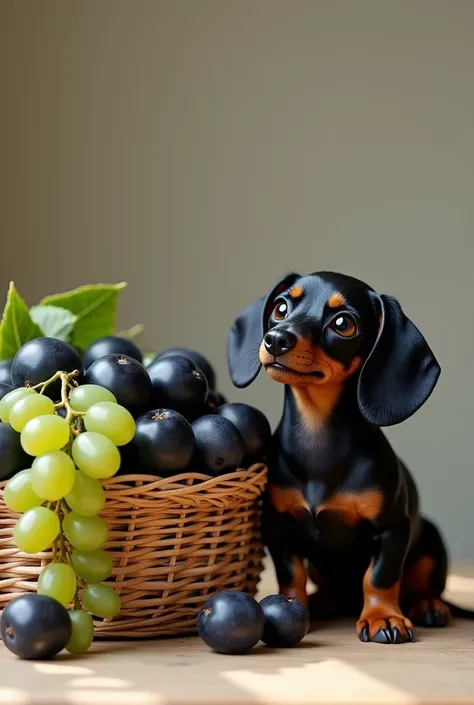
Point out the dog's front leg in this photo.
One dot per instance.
(290, 568)
(381, 619)
(288, 527)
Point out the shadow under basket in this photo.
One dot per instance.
(174, 542)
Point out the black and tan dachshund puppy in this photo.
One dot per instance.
(340, 504)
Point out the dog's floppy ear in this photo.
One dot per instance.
(401, 370)
(247, 332)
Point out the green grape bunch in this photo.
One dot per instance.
(74, 445)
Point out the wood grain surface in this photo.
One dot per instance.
(330, 667)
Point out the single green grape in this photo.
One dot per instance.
(53, 475)
(82, 632)
(101, 600)
(92, 566)
(95, 455)
(87, 497)
(83, 397)
(9, 400)
(44, 434)
(36, 530)
(29, 407)
(58, 580)
(85, 533)
(19, 495)
(111, 420)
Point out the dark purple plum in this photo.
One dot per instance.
(214, 401)
(178, 384)
(12, 456)
(35, 626)
(110, 345)
(286, 621)
(252, 425)
(219, 445)
(231, 622)
(6, 372)
(4, 389)
(125, 377)
(164, 440)
(130, 462)
(199, 360)
(40, 359)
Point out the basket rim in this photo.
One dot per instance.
(254, 472)
(180, 483)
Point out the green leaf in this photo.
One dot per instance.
(54, 321)
(132, 332)
(148, 358)
(95, 308)
(16, 326)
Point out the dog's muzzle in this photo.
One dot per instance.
(278, 342)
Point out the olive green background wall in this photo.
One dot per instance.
(200, 148)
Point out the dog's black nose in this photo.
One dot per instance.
(278, 342)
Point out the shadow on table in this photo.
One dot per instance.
(330, 666)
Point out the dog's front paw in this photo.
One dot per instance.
(430, 613)
(385, 629)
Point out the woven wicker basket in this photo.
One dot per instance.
(174, 542)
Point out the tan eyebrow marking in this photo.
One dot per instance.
(336, 300)
(296, 291)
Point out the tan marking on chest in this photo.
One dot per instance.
(289, 500)
(354, 506)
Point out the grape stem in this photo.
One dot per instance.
(61, 549)
(67, 382)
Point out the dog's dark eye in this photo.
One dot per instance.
(344, 325)
(280, 311)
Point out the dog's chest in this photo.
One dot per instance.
(335, 533)
(340, 512)
(350, 506)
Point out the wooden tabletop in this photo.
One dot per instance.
(330, 667)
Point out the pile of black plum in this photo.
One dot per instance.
(232, 622)
(182, 421)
